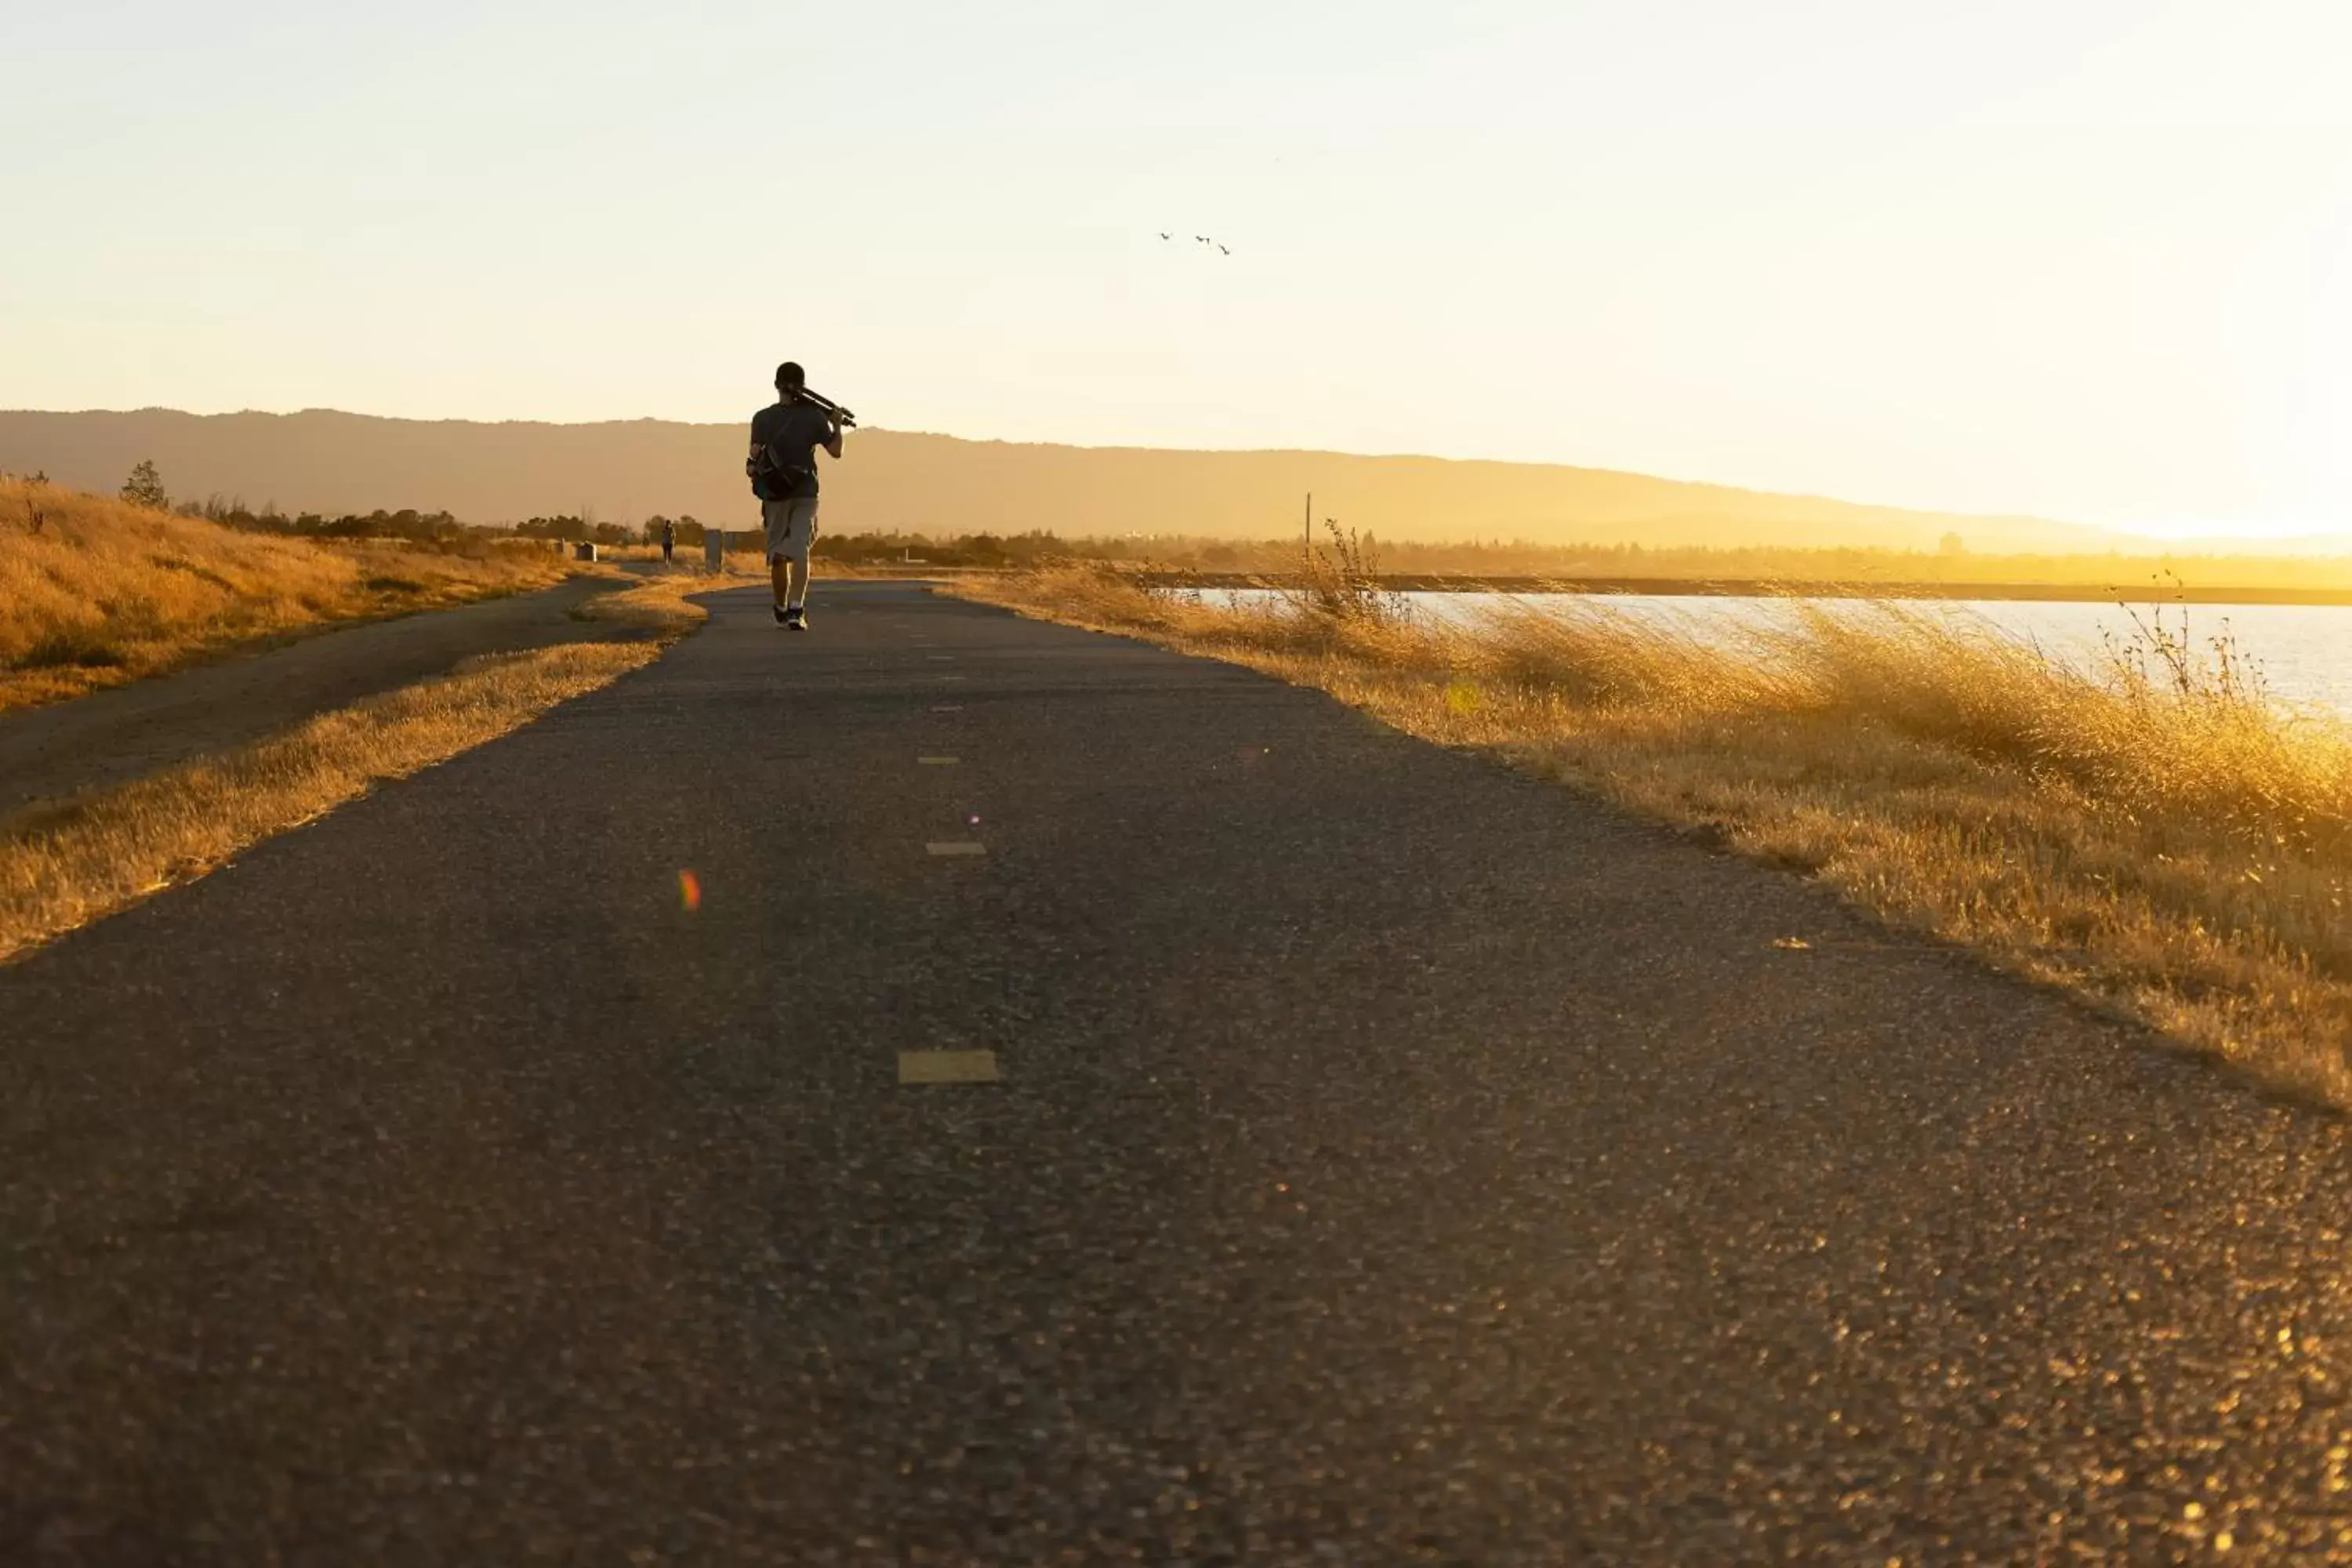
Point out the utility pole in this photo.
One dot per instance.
(1306, 537)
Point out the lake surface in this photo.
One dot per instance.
(2303, 651)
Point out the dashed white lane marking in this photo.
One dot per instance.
(947, 706)
(937, 762)
(955, 846)
(947, 1067)
(941, 658)
(950, 677)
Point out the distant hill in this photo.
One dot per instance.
(320, 460)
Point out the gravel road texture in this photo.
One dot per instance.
(128, 731)
(1394, 1160)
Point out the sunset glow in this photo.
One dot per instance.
(2091, 260)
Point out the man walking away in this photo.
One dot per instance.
(782, 466)
(669, 541)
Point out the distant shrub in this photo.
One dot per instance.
(145, 487)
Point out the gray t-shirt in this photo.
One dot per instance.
(793, 431)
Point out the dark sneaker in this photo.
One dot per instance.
(796, 618)
(781, 619)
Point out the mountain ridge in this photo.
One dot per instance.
(332, 460)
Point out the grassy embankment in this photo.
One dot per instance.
(65, 864)
(95, 591)
(2158, 839)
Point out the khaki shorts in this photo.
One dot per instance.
(792, 529)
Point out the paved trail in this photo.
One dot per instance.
(1396, 1161)
(128, 731)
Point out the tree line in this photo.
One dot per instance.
(145, 487)
(1271, 556)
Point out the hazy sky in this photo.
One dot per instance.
(2084, 259)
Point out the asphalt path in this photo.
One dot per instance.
(1395, 1160)
(126, 732)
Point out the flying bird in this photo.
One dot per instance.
(1223, 251)
(1166, 237)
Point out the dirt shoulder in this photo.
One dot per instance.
(112, 737)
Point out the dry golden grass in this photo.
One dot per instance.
(63, 866)
(687, 558)
(659, 603)
(104, 592)
(2163, 842)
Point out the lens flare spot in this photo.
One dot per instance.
(689, 891)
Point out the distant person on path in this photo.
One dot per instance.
(782, 466)
(669, 539)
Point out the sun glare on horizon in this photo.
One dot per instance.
(2070, 260)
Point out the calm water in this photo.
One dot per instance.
(2304, 651)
